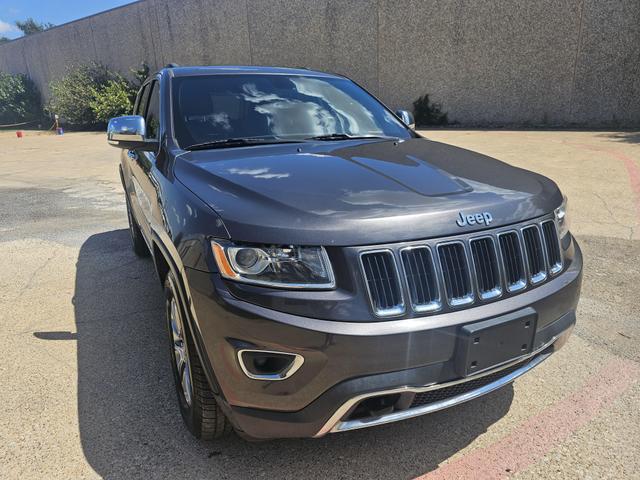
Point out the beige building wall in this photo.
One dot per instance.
(488, 62)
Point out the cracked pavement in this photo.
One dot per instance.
(86, 379)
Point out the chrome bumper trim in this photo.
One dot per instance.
(335, 424)
(295, 365)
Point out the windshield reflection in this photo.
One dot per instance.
(219, 107)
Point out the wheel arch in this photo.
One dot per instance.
(164, 263)
(161, 263)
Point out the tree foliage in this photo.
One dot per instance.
(20, 99)
(71, 95)
(112, 99)
(140, 74)
(89, 95)
(428, 113)
(30, 26)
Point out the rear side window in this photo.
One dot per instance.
(152, 118)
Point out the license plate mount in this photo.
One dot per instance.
(487, 344)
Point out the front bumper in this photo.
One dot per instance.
(447, 394)
(347, 362)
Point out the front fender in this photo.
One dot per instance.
(163, 250)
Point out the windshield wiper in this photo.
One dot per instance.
(346, 136)
(243, 142)
(236, 142)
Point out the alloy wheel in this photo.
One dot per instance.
(180, 350)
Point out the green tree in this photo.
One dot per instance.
(139, 76)
(72, 95)
(112, 99)
(428, 113)
(30, 26)
(4, 39)
(20, 99)
(89, 95)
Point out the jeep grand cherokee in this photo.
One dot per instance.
(325, 267)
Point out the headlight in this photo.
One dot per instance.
(561, 218)
(275, 266)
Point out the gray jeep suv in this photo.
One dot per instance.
(325, 267)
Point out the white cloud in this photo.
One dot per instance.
(7, 27)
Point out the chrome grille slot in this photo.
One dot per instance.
(552, 246)
(511, 254)
(440, 275)
(381, 277)
(487, 272)
(455, 270)
(420, 274)
(535, 254)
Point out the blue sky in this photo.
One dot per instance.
(54, 11)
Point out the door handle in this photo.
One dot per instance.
(132, 155)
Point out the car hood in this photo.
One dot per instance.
(359, 192)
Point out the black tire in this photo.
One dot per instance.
(201, 413)
(137, 240)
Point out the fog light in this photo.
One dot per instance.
(269, 365)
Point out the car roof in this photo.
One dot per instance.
(188, 71)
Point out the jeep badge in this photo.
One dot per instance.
(478, 218)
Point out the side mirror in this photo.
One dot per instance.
(407, 118)
(128, 132)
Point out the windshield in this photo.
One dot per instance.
(283, 107)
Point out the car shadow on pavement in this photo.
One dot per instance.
(627, 137)
(130, 425)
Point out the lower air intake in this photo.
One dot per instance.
(432, 396)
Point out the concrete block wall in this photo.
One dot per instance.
(493, 62)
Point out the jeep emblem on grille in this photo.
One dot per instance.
(477, 218)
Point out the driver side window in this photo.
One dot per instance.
(141, 102)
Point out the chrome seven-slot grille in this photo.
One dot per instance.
(457, 273)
